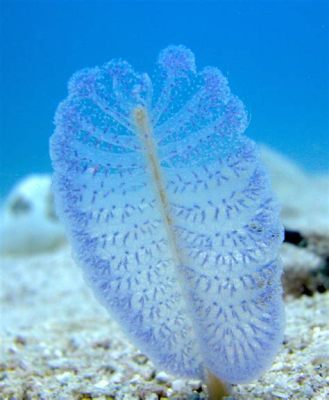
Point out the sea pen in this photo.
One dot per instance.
(171, 215)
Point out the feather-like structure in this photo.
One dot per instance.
(171, 215)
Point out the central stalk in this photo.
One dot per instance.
(146, 135)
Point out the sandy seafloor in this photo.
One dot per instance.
(57, 342)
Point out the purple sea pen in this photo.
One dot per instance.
(171, 215)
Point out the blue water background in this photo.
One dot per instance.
(275, 54)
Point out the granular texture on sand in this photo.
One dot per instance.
(59, 343)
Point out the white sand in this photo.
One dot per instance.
(59, 343)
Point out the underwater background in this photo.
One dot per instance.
(274, 53)
(57, 341)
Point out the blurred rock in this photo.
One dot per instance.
(304, 271)
(304, 200)
(28, 220)
(304, 197)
